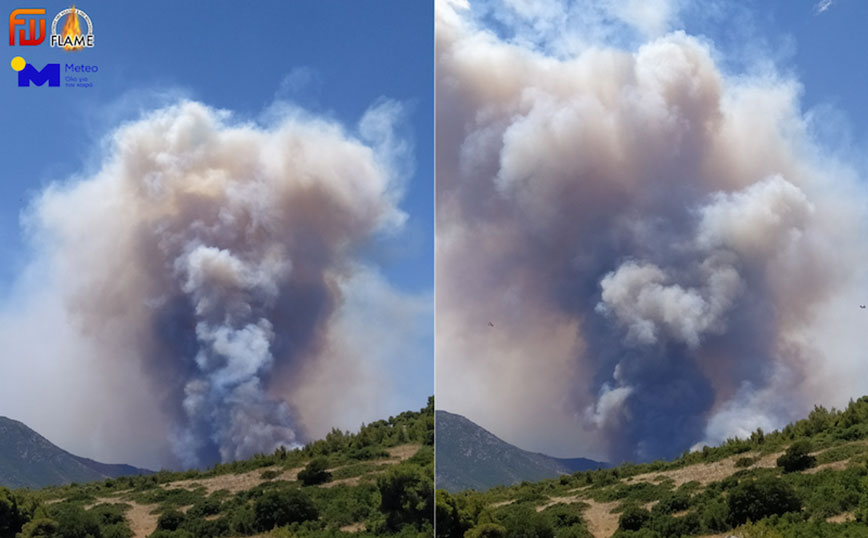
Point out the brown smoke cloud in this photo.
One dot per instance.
(200, 297)
(667, 255)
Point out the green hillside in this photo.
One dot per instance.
(377, 482)
(29, 460)
(471, 457)
(809, 480)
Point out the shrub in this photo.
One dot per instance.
(282, 507)
(170, 520)
(745, 462)
(714, 516)
(797, 457)
(10, 519)
(756, 499)
(315, 472)
(74, 522)
(406, 496)
(270, 474)
(486, 530)
(39, 527)
(633, 518)
(526, 522)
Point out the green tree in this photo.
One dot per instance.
(797, 457)
(406, 496)
(42, 527)
(14, 513)
(315, 472)
(171, 520)
(485, 530)
(74, 522)
(452, 521)
(756, 499)
(526, 522)
(282, 507)
(633, 518)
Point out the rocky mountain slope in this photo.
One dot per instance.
(29, 460)
(471, 457)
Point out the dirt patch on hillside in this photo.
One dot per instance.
(402, 452)
(704, 473)
(831, 466)
(601, 521)
(841, 518)
(558, 500)
(234, 483)
(142, 521)
(351, 481)
(355, 527)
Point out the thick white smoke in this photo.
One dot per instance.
(665, 251)
(200, 280)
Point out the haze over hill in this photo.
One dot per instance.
(29, 460)
(471, 457)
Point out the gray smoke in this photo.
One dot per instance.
(204, 283)
(668, 256)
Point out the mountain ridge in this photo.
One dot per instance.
(29, 460)
(471, 457)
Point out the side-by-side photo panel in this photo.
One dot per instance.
(650, 283)
(216, 270)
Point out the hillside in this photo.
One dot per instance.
(29, 460)
(377, 482)
(471, 457)
(808, 480)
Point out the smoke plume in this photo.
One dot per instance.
(666, 253)
(204, 276)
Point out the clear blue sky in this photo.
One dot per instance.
(236, 56)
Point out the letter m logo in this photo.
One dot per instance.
(50, 73)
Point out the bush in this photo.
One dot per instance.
(74, 522)
(12, 514)
(714, 516)
(633, 518)
(486, 530)
(171, 520)
(39, 527)
(452, 521)
(270, 474)
(406, 496)
(797, 457)
(761, 498)
(315, 472)
(745, 462)
(282, 507)
(526, 522)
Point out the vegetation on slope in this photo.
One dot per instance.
(378, 482)
(809, 479)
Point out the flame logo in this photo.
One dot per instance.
(72, 29)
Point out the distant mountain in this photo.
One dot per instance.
(29, 460)
(470, 457)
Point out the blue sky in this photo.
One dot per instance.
(335, 59)
(823, 49)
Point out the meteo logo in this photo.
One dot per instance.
(27, 73)
(35, 38)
